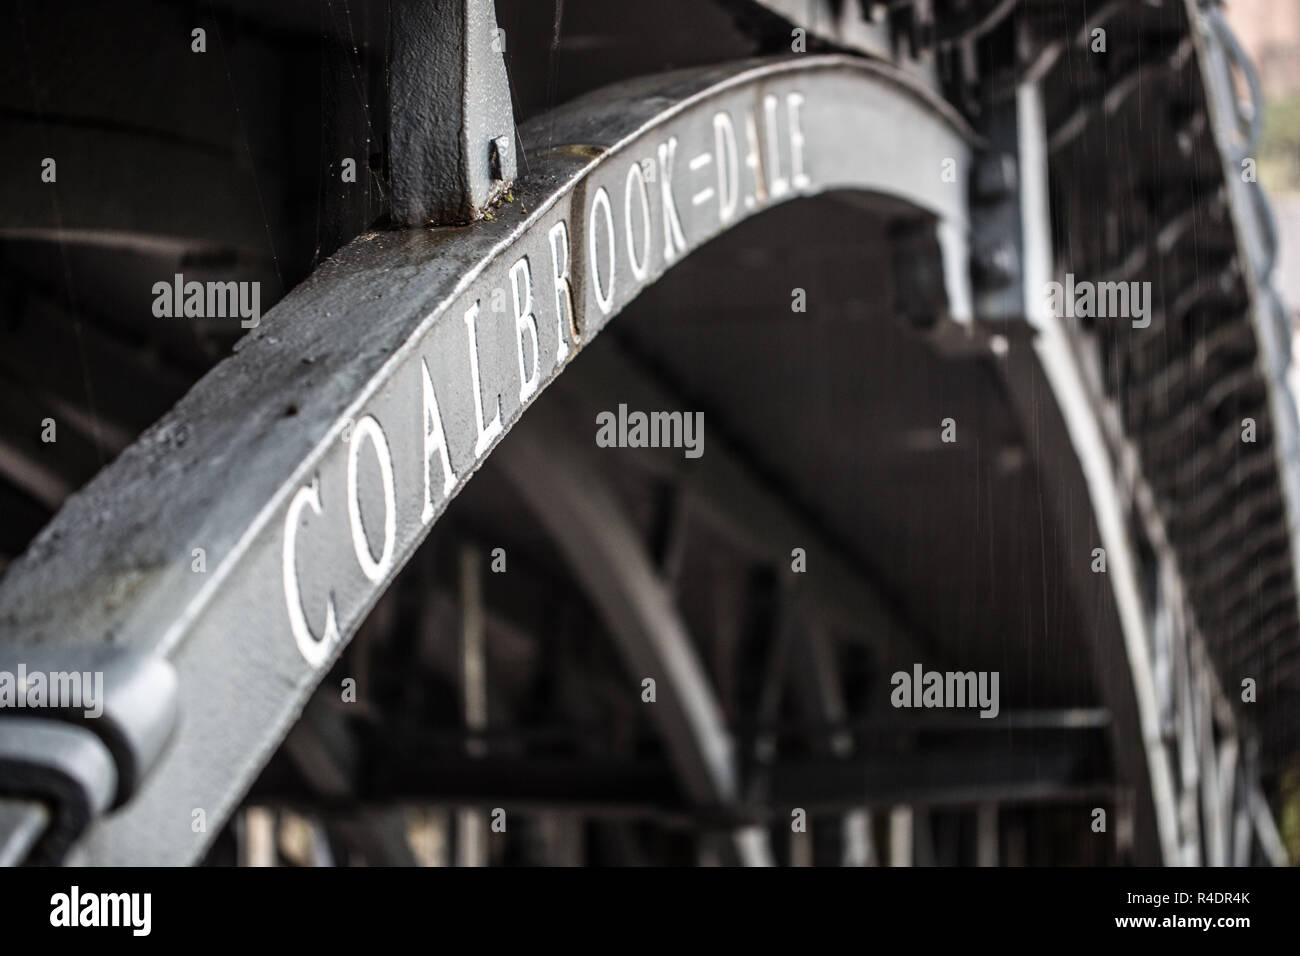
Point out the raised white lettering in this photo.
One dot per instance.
(636, 179)
(559, 239)
(435, 439)
(604, 296)
(724, 143)
(368, 427)
(674, 241)
(521, 289)
(315, 651)
(493, 428)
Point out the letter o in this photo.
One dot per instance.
(638, 268)
(604, 298)
(368, 427)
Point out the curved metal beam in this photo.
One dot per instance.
(308, 466)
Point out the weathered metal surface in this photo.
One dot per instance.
(310, 464)
(451, 121)
(1146, 393)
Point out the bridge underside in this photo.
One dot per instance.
(834, 417)
(393, 580)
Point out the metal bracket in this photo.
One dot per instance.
(83, 746)
(126, 698)
(452, 144)
(65, 767)
(997, 239)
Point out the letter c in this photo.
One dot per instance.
(315, 651)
